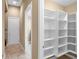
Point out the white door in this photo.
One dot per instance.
(13, 30)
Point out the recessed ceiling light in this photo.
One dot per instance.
(14, 2)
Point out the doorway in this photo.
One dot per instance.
(28, 30)
(13, 30)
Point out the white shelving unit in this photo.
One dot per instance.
(62, 41)
(59, 33)
(50, 33)
(72, 40)
(62, 33)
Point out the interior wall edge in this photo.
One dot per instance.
(13, 11)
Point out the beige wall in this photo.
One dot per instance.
(35, 29)
(71, 8)
(3, 28)
(4, 17)
(13, 11)
(51, 5)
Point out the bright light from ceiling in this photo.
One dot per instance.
(14, 2)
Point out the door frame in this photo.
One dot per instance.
(37, 29)
(41, 29)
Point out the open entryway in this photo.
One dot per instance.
(18, 30)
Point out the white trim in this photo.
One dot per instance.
(49, 39)
(40, 29)
(49, 56)
(51, 18)
(72, 43)
(48, 48)
(62, 45)
(62, 36)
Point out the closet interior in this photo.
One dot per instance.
(59, 33)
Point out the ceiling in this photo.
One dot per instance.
(64, 2)
(15, 2)
(61, 2)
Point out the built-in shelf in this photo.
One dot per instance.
(48, 28)
(50, 24)
(49, 56)
(72, 47)
(62, 49)
(71, 25)
(50, 33)
(62, 41)
(72, 40)
(51, 18)
(49, 39)
(72, 21)
(71, 36)
(59, 33)
(49, 52)
(72, 43)
(49, 43)
(48, 48)
(62, 33)
(62, 29)
(62, 45)
(62, 36)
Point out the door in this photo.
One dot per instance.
(13, 30)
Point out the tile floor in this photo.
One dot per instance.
(16, 52)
